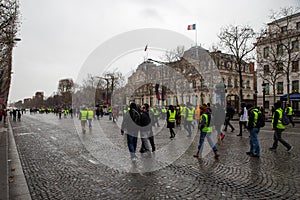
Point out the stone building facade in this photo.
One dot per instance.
(278, 62)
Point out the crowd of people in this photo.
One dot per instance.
(140, 120)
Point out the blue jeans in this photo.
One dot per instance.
(254, 143)
(131, 143)
(210, 141)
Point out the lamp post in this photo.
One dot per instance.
(264, 95)
(255, 97)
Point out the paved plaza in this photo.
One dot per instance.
(59, 162)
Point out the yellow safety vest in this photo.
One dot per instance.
(279, 123)
(190, 116)
(172, 116)
(84, 114)
(289, 110)
(206, 128)
(255, 112)
(90, 114)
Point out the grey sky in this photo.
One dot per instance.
(58, 35)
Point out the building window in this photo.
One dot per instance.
(295, 45)
(248, 84)
(295, 66)
(229, 83)
(266, 69)
(279, 49)
(267, 89)
(280, 67)
(194, 84)
(283, 28)
(298, 25)
(236, 83)
(266, 52)
(280, 88)
(295, 86)
(267, 104)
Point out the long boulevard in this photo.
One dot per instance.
(59, 162)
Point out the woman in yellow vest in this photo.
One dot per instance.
(205, 132)
(171, 118)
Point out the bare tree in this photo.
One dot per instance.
(284, 36)
(65, 89)
(269, 67)
(8, 29)
(238, 41)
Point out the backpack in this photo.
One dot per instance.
(260, 120)
(135, 116)
(285, 119)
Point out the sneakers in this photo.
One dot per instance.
(290, 149)
(222, 136)
(272, 149)
(217, 154)
(249, 153)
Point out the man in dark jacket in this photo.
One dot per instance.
(228, 117)
(131, 125)
(145, 129)
(253, 130)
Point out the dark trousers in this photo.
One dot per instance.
(241, 124)
(227, 123)
(291, 120)
(188, 127)
(277, 137)
(172, 133)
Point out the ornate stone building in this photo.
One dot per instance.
(191, 80)
(278, 62)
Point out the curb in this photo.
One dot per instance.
(18, 188)
(4, 187)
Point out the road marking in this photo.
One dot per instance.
(20, 134)
(94, 162)
(54, 138)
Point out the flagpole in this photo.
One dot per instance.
(196, 35)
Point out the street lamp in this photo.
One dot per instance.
(264, 95)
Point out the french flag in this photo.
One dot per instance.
(191, 27)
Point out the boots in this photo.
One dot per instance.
(217, 154)
(196, 155)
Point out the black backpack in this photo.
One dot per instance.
(135, 116)
(285, 120)
(260, 119)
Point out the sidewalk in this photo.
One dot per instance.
(13, 184)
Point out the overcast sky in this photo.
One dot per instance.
(58, 35)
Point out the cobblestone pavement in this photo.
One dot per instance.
(59, 162)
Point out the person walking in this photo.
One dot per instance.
(243, 118)
(205, 131)
(171, 118)
(253, 128)
(145, 129)
(289, 112)
(151, 136)
(189, 117)
(130, 124)
(278, 128)
(90, 117)
(83, 118)
(228, 117)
